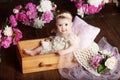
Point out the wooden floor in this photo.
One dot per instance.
(108, 20)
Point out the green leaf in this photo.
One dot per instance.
(101, 68)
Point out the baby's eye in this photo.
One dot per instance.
(59, 25)
(66, 24)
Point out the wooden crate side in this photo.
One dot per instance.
(40, 63)
(36, 61)
(43, 68)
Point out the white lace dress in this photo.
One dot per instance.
(58, 43)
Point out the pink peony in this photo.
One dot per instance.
(18, 35)
(96, 60)
(23, 17)
(31, 7)
(6, 42)
(78, 5)
(31, 10)
(92, 9)
(85, 8)
(54, 7)
(18, 7)
(31, 14)
(12, 21)
(47, 16)
(73, 0)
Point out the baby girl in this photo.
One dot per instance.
(65, 40)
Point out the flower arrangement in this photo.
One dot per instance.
(26, 14)
(9, 35)
(46, 12)
(36, 16)
(30, 15)
(88, 6)
(104, 61)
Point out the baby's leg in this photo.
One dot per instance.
(72, 61)
(34, 51)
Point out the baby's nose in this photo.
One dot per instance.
(62, 27)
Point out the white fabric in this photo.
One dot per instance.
(86, 32)
(58, 43)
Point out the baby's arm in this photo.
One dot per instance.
(74, 43)
(68, 50)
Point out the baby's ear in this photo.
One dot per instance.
(71, 24)
(54, 31)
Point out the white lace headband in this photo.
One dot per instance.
(67, 15)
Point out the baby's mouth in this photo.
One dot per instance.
(64, 30)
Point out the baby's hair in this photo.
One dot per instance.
(64, 14)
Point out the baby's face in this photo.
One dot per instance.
(64, 25)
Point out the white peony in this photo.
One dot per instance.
(80, 12)
(111, 63)
(106, 1)
(116, 1)
(15, 11)
(8, 31)
(38, 23)
(95, 2)
(45, 5)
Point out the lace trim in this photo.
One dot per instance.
(84, 57)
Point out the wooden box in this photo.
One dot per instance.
(41, 62)
(38, 62)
